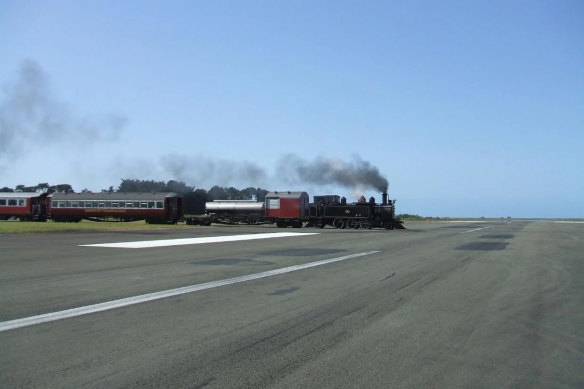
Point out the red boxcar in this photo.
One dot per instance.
(287, 208)
(24, 206)
(152, 207)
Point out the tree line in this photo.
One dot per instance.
(41, 188)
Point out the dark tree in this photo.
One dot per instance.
(61, 188)
(233, 194)
(129, 186)
(43, 187)
(141, 186)
(217, 193)
(261, 194)
(178, 187)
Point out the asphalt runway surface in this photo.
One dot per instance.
(492, 304)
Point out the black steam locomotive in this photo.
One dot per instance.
(334, 211)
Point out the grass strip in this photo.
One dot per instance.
(18, 227)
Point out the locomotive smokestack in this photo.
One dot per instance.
(384, 198)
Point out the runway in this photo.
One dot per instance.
(488, 304)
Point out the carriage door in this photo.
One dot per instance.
(172, 209)
(37, 209)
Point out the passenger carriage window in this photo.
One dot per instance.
(143, 204)
(2, 202)
(114, 204)
(151, 204)
(21, 203)
(100, 204)
(67, 204)
(121, 204)
(62, 204)
(12, 202)
(136, 204)
(74, 204)
(159, 205)
(108, 204)
(129, 204)
(94, 204)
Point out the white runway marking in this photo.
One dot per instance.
(210, 239)
(568, 222)
(476, 229)
(48, 317)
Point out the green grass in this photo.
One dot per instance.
(17, 227)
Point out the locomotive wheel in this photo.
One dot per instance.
(353, 223)
(339, 223)
(366, 225)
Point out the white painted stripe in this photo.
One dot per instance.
(568, 222)
(475, 229)
(48, 317)
(209, 239)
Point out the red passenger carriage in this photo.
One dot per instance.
(152, 207)
(24, 206)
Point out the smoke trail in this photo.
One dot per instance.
(203, 170)
(31, 116)
(356, 173)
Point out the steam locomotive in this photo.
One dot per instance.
(292, 209)
(285, 209)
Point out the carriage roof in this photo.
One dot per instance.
(156, 196)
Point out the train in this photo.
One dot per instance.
(284, 209)
(293, 209)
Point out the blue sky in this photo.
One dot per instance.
(468, 108)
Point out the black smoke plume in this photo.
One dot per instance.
(30, 116)
(352, 174)
(212, 171)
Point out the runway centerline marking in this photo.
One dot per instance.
(203, 240)
(68, 313)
